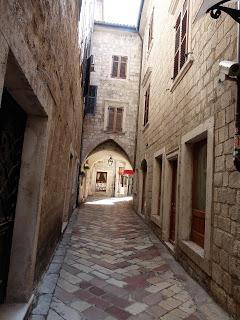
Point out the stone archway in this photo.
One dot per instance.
(108, 160)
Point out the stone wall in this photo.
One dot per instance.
(41, 41)
(178, 107)
(108, 41)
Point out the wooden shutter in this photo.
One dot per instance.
(184, 36)
(115, 64)
(110, 119)
(87, 77)
(146, 111)
(91, 100)
(199, 152)
(177, 46)
(119, 119)
(123, 68)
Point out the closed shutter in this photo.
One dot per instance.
(119, 119)
(91, 100)
(115, 64)
(146, 111)
(123, 68)
(184, 38)
(177, 46)
(87, 77)
(110, 119)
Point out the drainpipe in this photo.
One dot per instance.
(237, 115)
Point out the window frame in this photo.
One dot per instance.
(150, 31)
(177, 62)
(115, 114)
(146, 106)
(201, 256)
(119, 66)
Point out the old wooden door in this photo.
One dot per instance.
(12, 127)
(173, 202)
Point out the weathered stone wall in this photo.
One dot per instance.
(108, 41)
(176, 108)
(44, 40)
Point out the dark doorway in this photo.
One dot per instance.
(12, 128)
(173, 206)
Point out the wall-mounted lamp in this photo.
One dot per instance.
(110, 161)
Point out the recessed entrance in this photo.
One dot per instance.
(173, 206)
(12, 127)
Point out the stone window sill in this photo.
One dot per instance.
(182, 73)
(156, 219)
(115, 133)
(196, 254)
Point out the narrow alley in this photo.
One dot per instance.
(110, 266)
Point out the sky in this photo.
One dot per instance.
(122, 11)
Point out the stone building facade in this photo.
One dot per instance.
(41, 120)
(186, 185)
(111, 106)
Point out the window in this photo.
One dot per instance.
(181, 28)
(119, 67)
(150, 32)
(146, 108)
(91, 100)
(115, 119)
(199, 154)
(86, 75)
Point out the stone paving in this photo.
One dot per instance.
(109, 266)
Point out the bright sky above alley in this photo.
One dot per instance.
(122, 11)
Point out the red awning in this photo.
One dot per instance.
(128, 172)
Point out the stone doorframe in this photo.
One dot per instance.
(68, 189)
(173, 156)
(158, 176)
(31, 182)
(142, 212)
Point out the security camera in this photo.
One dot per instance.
(230, 68)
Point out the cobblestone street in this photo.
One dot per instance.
(110, 266)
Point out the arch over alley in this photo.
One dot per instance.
(106, 171)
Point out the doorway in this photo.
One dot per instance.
(173, 206)
(12, 128)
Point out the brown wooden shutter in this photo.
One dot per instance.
(123, 68)
(177, 46)
(184, 38)
(146, 112)
(115, 66)
(110, 119)
(199, 152)
(119, 119)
